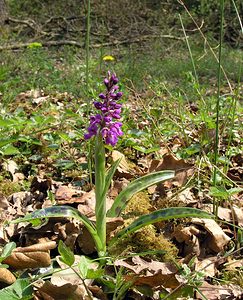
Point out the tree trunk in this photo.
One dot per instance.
(3, 12)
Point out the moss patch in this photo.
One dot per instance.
(8, 187)
(138, 205)
(143, 240)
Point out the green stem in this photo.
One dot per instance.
(100, 205)
(216, 147)
(87, 56)
(189, 50)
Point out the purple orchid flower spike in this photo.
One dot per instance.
(106, 121)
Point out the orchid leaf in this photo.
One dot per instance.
(110, 175)
(136, 186)
(162, 215)
(61, 211)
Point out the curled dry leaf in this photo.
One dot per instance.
(6, 276)
(66, 284)
(238, 215)
(235, 214)
(34, 256)
(40, 185)
(188, 235)
(156, 273)
(68, 275)
(187, 197)
(170, 162)
(118, 186)
(219, 292)
(50, 291)
(98, 292)
(68, 232)
(236, 174)
(217, 239)
(22, 203)
(66, 194)
(207, 266)
(123, 169)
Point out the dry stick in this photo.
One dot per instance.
(138, 40)
(31, 23)
(206, 41)
(77, 44)
(44, 44)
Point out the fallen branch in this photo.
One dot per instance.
(44, 44)
(30, 23)
(77, 44)
(137, 40)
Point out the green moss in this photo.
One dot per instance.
(143, 240)
(146, 238)
(139, 204)
(233, 277)
(8, 187)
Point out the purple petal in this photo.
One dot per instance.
(102, 96)
(106, 81)
(98, 105)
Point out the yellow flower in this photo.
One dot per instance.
(108, 58)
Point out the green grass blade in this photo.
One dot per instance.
(162, 215)
(136, 186)
(110, 175)
(62, 212)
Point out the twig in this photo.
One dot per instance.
(44, 44)
(77, 44)
(138, 40)
(30, 23)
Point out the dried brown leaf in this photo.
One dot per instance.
(40, 185)
(123, 169)
(66, 194)
(34, 256)
(156, 273)
(217, 239)
(50, 291)
(6, 276)
(219, 292)
(4, 204)
(187, 197)
(189, 235)
(170, 162)
(207, 266)
(157, 279)
(118, 186)
(238, 215)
